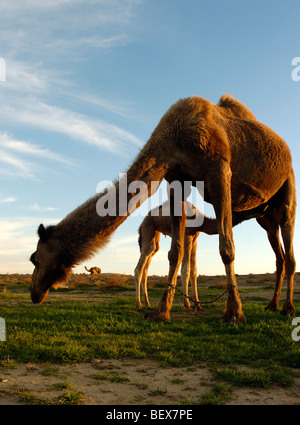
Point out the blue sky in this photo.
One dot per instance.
(87, 82)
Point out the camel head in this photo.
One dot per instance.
(49, 261)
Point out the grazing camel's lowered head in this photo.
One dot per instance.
(51, 265)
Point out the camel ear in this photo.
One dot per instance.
(42, 233)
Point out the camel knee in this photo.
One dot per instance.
(175, 255)
(290, 265)
(136, 274)
(280, 265)
(227, 254)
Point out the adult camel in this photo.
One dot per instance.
(244, 165)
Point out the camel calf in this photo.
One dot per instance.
(149, 235)
(156, 223)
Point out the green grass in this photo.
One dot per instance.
(258, 378)
(65, 330)
(29, 397)
(112, 377)
(220, 394)
(71, 397)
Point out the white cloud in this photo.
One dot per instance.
(14, 166)
(8, 200)
(77, 126)
(14, 154)
(37, 207)
(21, 147)
(31, 77)
(74, 23)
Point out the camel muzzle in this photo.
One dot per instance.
(37, 297)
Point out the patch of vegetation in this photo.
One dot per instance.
(7, 363)
(260, 378)
(71, 397)
(220, 394)
(29, 397)
(112, 377)
(50, 370)
(59, 386)
(177, 381)
(157, 392)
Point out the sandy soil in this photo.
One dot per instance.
(142, 382)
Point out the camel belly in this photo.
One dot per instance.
(260, 164)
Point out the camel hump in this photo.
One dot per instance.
(234, 107)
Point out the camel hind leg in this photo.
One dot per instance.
(285, 214)
(269, 224)
(139, 276)
(186, 270)
(146, 268)
(189, 272)
(193, 274)
(149, 248)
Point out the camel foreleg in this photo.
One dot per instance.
(175, 259)
(220, 192)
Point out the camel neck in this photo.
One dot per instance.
(89, 227)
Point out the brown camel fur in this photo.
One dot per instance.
(243, 164)
(93, 270)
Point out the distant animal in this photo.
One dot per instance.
(93, 270)
(243, 164)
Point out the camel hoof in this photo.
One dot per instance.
(231, 317)
(187, 308)
(272, 306)
(198, 308)
(138, 306)
(288, 308)
(158, 316)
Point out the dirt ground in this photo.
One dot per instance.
(138, 382)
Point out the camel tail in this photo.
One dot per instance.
(86, 269)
